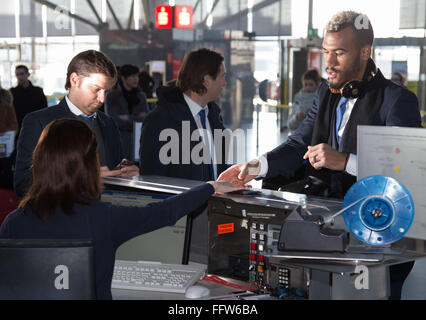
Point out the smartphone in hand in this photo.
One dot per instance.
(124, 163)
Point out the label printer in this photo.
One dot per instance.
(311, 244)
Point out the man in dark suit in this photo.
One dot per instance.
(90, 75)
(26, 97)
(183, 110)
(327, 138)
(166, 147)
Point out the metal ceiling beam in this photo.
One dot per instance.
(196, 4)
(129, 21)
(211, 11)
(53, 6)
(146, 15)
(89, 2)
(244, 12)
(114, 16)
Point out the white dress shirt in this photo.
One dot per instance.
(75, 110)
(351, 166)
(208, 140)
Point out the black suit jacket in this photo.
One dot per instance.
(171, 112)
(394, 106)
(32, 127)
(27, 100)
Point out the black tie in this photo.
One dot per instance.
(202, 114)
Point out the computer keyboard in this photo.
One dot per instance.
(153, 276)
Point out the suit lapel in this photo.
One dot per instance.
(101, 121)
(214, 117)
(216, 123)
(64, 109)
(363, 113)
(324, 127)
(186, 114)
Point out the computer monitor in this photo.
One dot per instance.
(136, 135)
(166, 245)
(399, 153)
(37, 269)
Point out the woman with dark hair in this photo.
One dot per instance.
(304, 99)
(63, 201)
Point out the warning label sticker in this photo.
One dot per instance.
(225, 228)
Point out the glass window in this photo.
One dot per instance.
(7, 18)
(272, 20)
(58, 23)
(30, 19)
(226, 9)
(83, 9)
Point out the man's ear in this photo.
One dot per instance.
(365, 52)
(75, 80)
(207, 80)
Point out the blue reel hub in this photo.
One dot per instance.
(377, 213)
(384, 212)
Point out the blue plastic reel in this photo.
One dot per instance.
(384, 213)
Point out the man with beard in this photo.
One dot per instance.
(326, 141)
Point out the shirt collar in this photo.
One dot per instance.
(29, 85)
(75, 110)
(194, 107)
(351, 101)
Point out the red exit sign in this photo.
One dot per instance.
(183, 17)
(179, 17)
(163, 17)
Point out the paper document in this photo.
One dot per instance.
(7, 144)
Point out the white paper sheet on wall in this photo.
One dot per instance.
(137, 130)
(7, 144)
(399, 153)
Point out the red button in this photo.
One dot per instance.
(253, 246)
(253, 257)
(260, 258)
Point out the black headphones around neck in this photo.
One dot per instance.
(352, 89)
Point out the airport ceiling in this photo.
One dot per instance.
(92, 15)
